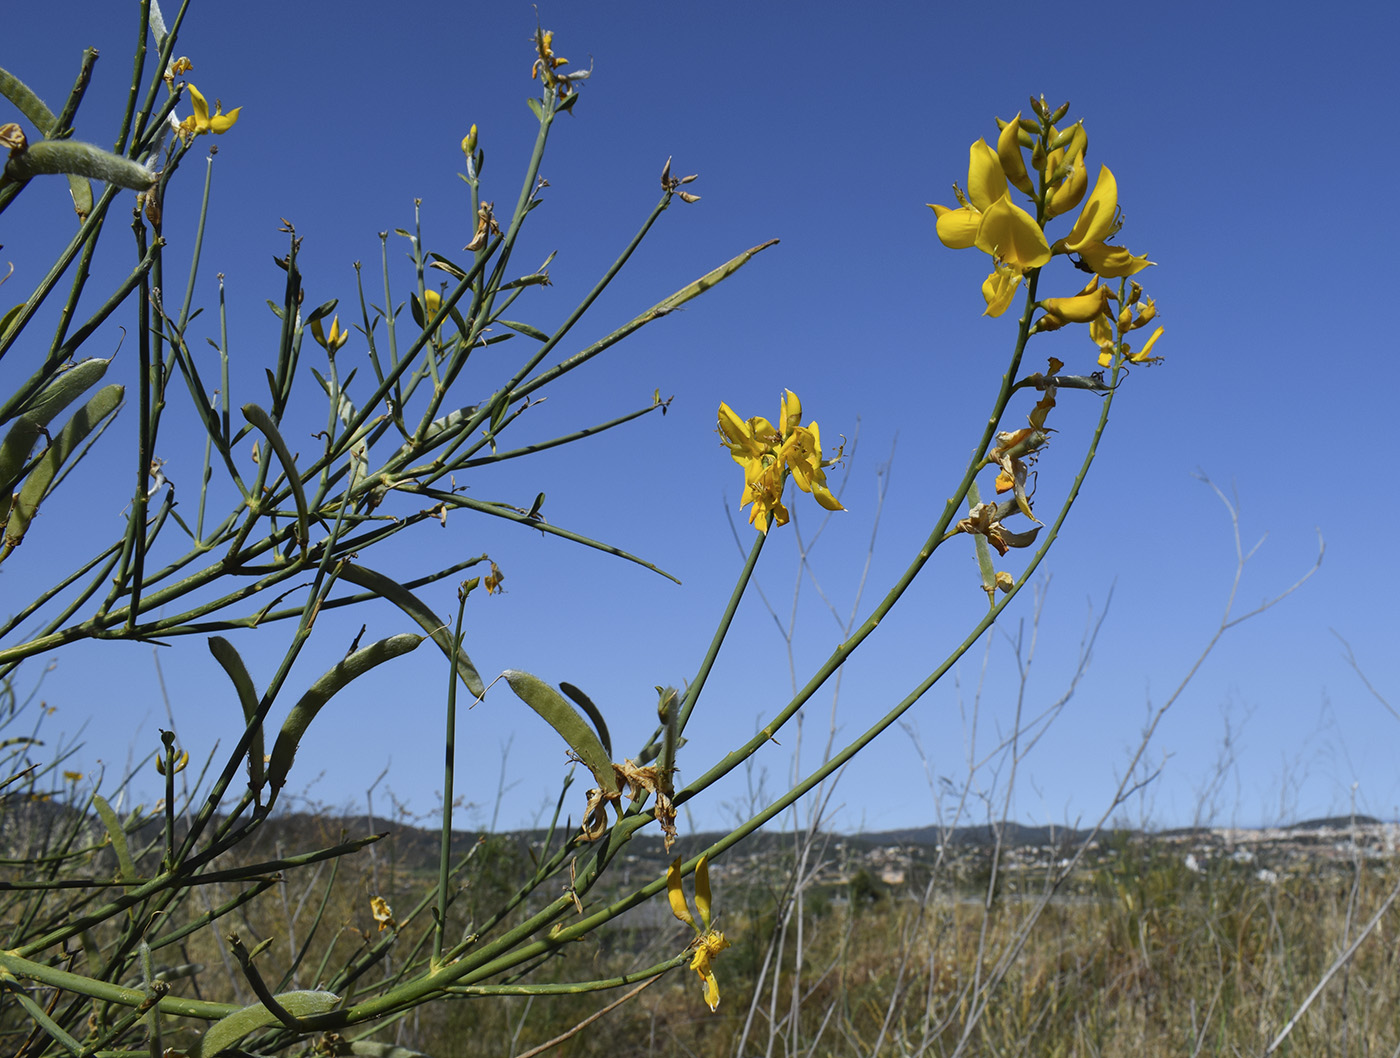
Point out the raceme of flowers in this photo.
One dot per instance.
(771, 454)
(1053, 183)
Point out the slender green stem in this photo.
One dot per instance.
(184, 317)
(692, 693)
(449, 765)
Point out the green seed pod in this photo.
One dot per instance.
(80, 159)
(228, 1031)
(299, 719)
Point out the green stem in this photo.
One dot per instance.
(448, 769)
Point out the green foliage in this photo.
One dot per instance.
(110, 923)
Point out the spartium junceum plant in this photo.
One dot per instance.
(117, 925)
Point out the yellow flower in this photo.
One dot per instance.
(198, 123)
(175, 765)
(1142, 356)
(1097, 221)
(990, 221)
(769, 455)
(332, 342)
(708, 943)
(548, 62)
(1084, 307)
(469, 142)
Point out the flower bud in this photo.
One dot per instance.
(1082, 308)
(469, 143)
(1009, 154)
(1060, 112)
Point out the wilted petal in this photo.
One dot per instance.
(1010, 234)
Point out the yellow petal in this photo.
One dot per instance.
(738, 435)
(1082, 308)
(790, 413)
(1095, 221)
(1111, 262)
(221, 123)
(1071, 192)
(1013, 164)
(957, 228)
(702, 886)
(676, 895)
(1010, 234)
(1144, 354)
(200, 107)
(985, 181)
(998, 289)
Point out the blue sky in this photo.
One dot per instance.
(1244, 139)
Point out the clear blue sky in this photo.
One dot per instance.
(1244, 138)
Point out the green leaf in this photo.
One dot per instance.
(535, 107)
(442, 263)
(320, 692)
(9, 318)
(525, 329)
(572, 728)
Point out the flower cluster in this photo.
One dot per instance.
(708, 943)
(1054, 180)
(988, 219)
(771, 454)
